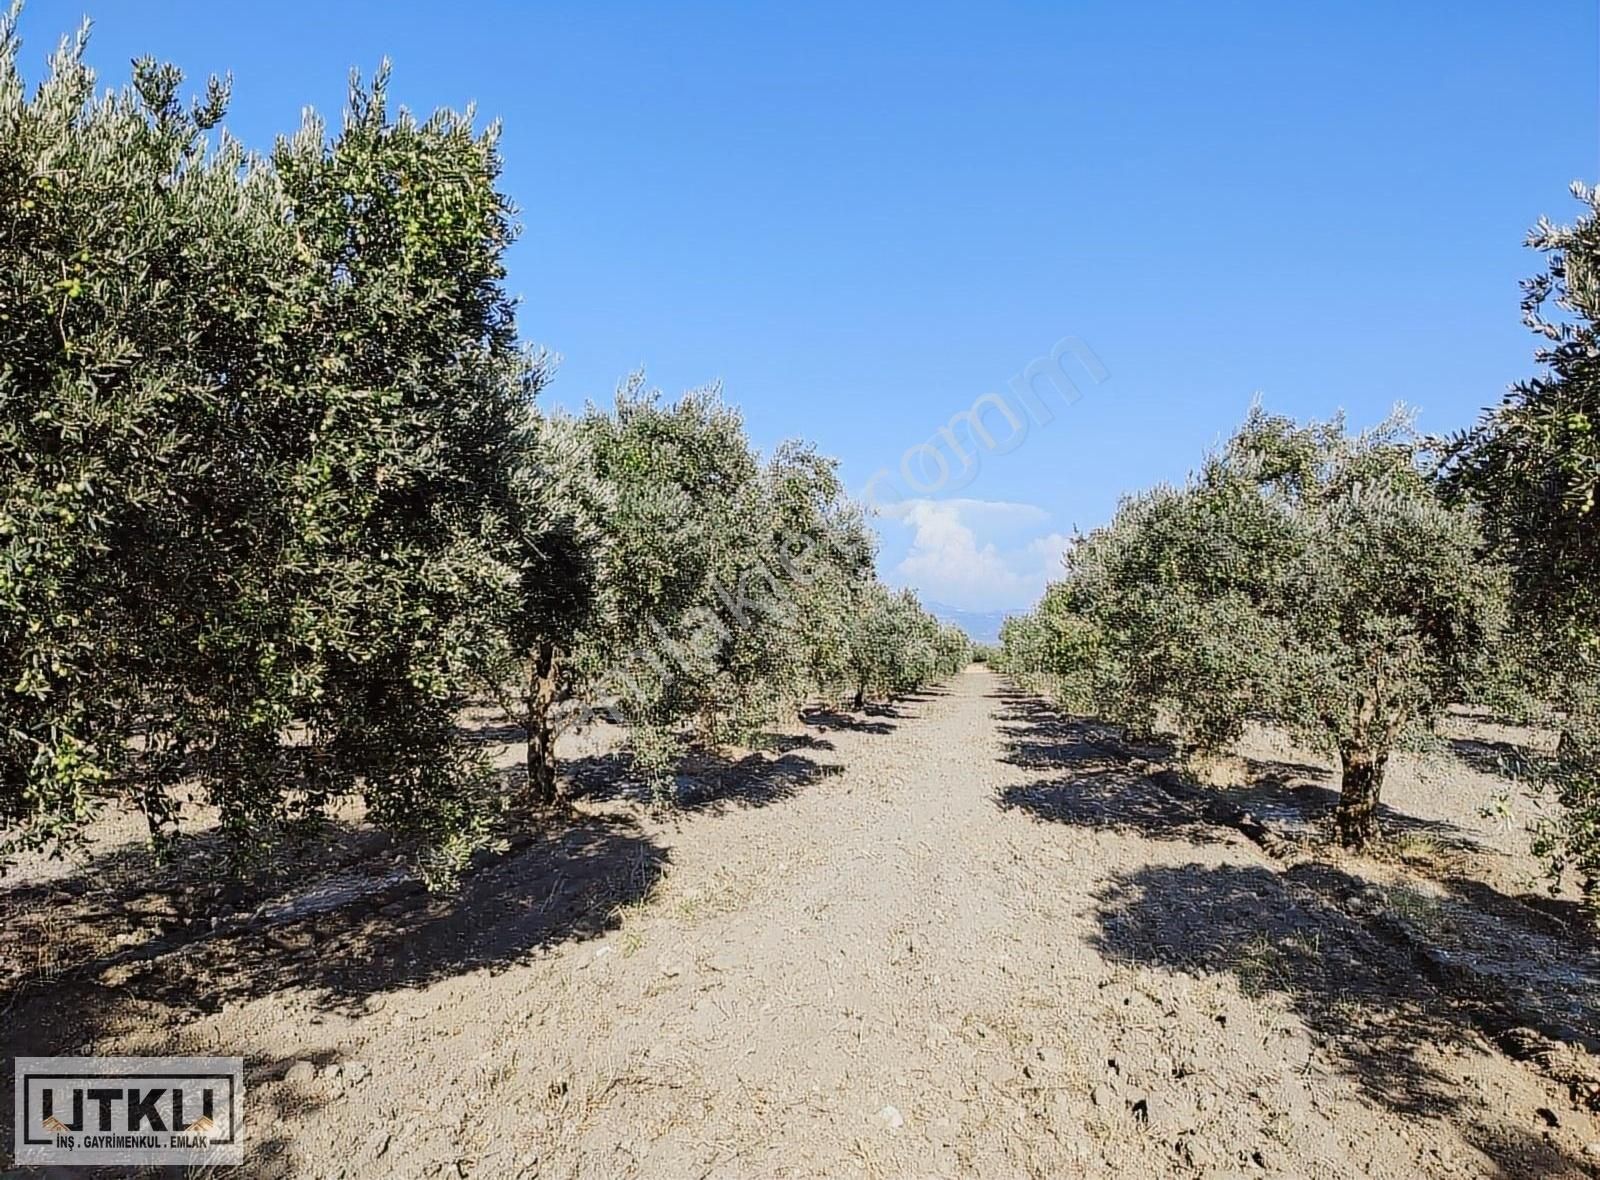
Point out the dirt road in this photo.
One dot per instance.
(957, 937)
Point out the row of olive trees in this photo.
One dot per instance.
(275, 499)
(694, 592)
(1305, 576)
(1351, 587)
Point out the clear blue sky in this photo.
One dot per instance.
(860, 217)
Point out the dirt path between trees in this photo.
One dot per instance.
(960, 936)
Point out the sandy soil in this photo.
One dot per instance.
(961, 935)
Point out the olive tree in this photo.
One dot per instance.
(561, 614)
(256, 423)
(138, 281)
(663, 516)
(400, 552)
(1053, 649)
(1533, 464)
(897, 646)
(1022, 647)
(1305, 575)
(681, 585)
(820, 563)
(767, 635)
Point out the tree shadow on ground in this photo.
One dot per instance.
(551, 887)
(1278, 793)
(121, 954)
(711, 782)
(1543, 959)
(1041, 738)
(1110, 800)
(783, 743)
(1289, 796)
(871, 718)
(125, 895)
(504, 733)
(1092, 784)
(71, 1014)
(1555, 916)
(1280, 772)
(704, 782)
(872, 723)
(1499, 758)
(1376, 1016)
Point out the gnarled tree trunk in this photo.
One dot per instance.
(538, 703)
(1359, 792)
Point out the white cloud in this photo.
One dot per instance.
(977, 554)
(1050, 549)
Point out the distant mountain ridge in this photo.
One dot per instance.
(982, 626)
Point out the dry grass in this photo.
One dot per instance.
(1259, 966)
(42, 940)
(1423, 910)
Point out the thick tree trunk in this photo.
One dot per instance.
(540, 699)
(1359, 792)
(1567, 745)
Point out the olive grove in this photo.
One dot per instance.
(277, 501)
(1305, 576)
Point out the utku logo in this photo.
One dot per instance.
(129, 1110)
